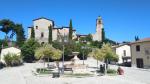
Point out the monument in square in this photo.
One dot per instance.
(76, 64)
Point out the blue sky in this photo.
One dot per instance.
(123, 19)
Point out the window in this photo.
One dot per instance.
(124, 52)
(36, 27)
(138, 48)
(42, 35)
(147, 51)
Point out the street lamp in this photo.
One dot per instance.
(83, 47)
(63, 58)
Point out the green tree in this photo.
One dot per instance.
(87, 38)
(47, 51)
(70, 30)
(28, 50)
(20, 37)
(103, 35)
(97, 54)
(50, 35)
(110, 41)
(96, 44)
(108, 53)
(104, 54)
(136, 38)
(6, 26)
(32, 33)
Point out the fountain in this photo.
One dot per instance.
(76, 66)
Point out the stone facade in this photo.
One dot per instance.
(140, 51)
(41, 25)
(99, 25)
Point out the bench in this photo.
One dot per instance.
(68, 69)
(56, 75)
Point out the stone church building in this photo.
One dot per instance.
(41, 25)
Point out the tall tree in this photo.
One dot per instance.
(50, 34)
(32, 33)
(103, 35)
(136, 38)
(70, 30)
(6, 26)
(20, 37)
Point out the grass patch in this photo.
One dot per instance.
(43, 71)
(79, 75)
(112, 72)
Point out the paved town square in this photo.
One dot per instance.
(23, 75)
(74, 42)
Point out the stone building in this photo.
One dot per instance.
(41, 25)
(140, 52)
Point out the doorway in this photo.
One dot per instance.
(139, 62)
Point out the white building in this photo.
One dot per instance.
(41, 25)
(99, 26)
(140, 51)
(124, 53)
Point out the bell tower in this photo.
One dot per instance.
(99, 26)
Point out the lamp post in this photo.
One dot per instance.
(83, 47)
(63, 56)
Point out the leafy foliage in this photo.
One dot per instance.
(47, 51)
(32, 33)
(103, 35)
(108, 53)
(97, 54)
(50, 34)
(6, 25)
(20, 34)
(28, 50)
(112, 71)
(87, 38)
(70, 30)
(104, 53)
(136, 38)
(12, 59)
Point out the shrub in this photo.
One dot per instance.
(12, 59)
(16, 60)
(111, 71)
(8, 59)
(28, 49)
